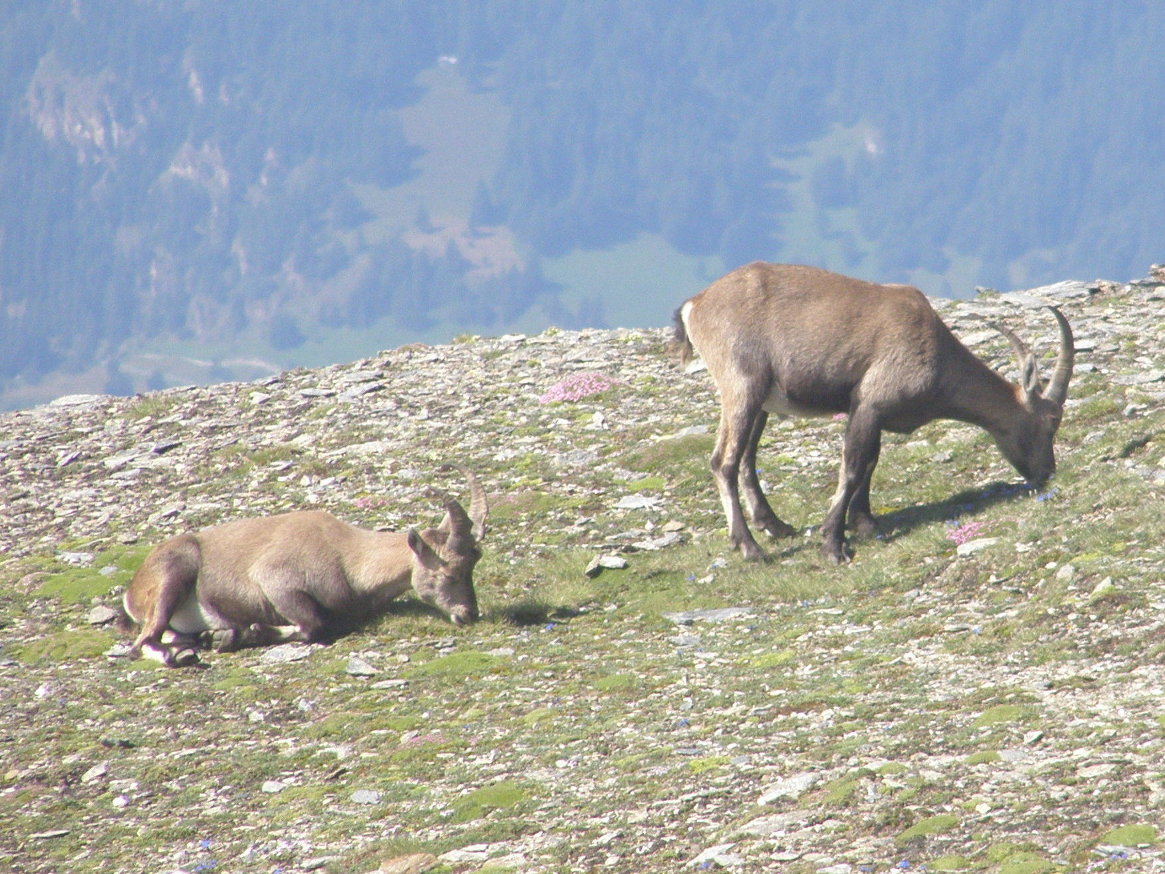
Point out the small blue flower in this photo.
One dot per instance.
(204, 844)
(903, 865)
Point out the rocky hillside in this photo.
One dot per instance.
(979, 690)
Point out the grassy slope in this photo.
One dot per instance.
(998, 711)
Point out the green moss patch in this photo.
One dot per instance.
(949, 863)
(1131, 836)
(616, 683)
(1004, 714)
(482, 801)
(459, 665)
(65, 646)
(933, 825)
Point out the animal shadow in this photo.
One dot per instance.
(967, 502)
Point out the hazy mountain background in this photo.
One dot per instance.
(194, 190)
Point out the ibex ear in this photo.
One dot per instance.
(1031, 378)
(424, 553)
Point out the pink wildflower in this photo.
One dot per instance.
(960, 534)
(576, 387)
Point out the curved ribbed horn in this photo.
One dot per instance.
(478, 507)
(1058, 388)
(456, 522)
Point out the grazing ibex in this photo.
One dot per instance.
(794, 340)
(300, 576)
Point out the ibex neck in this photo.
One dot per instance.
(382, 564)
(982, 397)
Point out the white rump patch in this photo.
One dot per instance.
(696, 364)
(192, 618)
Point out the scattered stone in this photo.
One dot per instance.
(271, 787)
(95, 773)
(78, 400)
(416, 863)
(286, 652)
(637, 502)
(720, 614)
(358, 667)
(1091, 772)
(467, 855)
(791, 787)
(365, 796)
(1103, 589)
(1142, 378)
(654, 544)
(166, 513)
(977, 545)
(101, 615)
(601, 563)
(396, 683)
(718, 855)
(317, 863)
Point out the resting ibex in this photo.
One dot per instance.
(301, 576)
(794, 340)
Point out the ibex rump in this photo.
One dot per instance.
(796, 340)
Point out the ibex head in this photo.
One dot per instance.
(1028, 441)
(445, 556)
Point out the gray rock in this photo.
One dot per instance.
(977, 545)
(601, 563)
(793, 786)
(721, 614)
(286, 652)
(358, 667)
(101, 615)
(637, 502)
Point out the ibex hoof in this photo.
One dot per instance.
(182, 658)
(751, 552)
(865, 526)
(837, 553)
(779, 529)
(220, 639)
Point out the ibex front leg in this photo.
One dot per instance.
(863, 442)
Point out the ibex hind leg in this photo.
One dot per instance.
(861, 519)
(736, 425)
(759, 510)
(168, 578)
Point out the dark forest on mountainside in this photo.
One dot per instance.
(253, 177)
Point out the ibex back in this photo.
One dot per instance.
(301, 576)
(795, 340)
